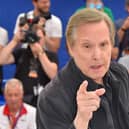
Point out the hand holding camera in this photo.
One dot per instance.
(30, 34)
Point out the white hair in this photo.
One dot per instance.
(13, 83)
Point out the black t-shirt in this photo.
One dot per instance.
(25, 60)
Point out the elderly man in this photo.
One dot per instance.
(15, 114)
(99, 5)
(90, 92)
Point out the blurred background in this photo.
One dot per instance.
(61, 8)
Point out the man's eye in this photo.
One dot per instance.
(87, 46)
(103, 44)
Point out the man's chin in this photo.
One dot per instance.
(98, 78)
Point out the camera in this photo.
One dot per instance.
(30, 35)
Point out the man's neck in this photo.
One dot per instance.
(14, 111)
(36, 12)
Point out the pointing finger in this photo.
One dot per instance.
(83, 87)
(100, 92)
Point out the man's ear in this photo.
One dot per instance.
(69, 48)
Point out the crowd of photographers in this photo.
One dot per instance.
(35, 44)
(33, 48)
(34, 51)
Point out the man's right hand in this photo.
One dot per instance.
(87, 103)
(20, 34)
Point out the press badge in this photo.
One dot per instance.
(33, 74)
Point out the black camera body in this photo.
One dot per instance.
(30, 35)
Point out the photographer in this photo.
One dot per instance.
(53, 25)
(122, 26)
(35, 66)
(3, 42)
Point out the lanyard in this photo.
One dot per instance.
(14, 120)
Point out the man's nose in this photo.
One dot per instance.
(13, 98)
(97, 53)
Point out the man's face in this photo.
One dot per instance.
(13, 97)
(92, 49)
(94, 1)
(94, 4)
(42, 5)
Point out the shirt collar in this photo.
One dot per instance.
(80, 77)
(7, 112)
